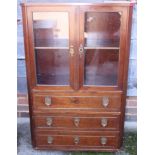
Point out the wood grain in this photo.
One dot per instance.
(77, 100)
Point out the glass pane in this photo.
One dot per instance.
(51, 43)
(102, 29)
(51, 29)
(101, 67)
(52, 67)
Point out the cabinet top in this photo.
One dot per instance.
(77, 2)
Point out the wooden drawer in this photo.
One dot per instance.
(105, 103)
(73, 139)
(78, 122)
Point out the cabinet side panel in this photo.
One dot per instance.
(125, 69)
(26, 43)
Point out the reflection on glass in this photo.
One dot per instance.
(52, 67)
(102, 29)
(51, 42)
(51, 29)
(101, 67)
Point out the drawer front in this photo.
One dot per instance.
(101, 123)
(77, 140)
(106, 103)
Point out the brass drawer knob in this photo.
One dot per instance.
(104, 122)
(103, 140)
(48, 101)
(76, 140)
(76, 121)
(49, 140)
(105, 101)
(49, 121)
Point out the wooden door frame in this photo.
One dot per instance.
(31, 51)
(123, 31)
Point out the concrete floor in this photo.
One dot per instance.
(25, 147)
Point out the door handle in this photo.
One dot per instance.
(71, 50)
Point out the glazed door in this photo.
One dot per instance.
(53, 46)
(101, 44)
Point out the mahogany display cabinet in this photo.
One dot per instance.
(77, 58)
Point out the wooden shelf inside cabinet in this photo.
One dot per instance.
(51, 43)
(101, 43)
(37, 48)
(104, 48)
(77, 63)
